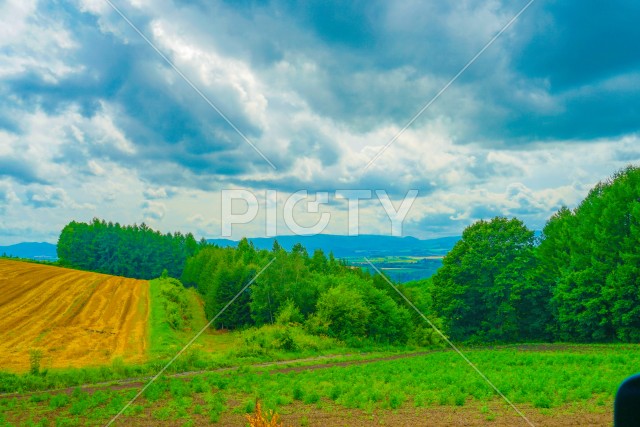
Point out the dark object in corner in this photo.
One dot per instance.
(626, 412)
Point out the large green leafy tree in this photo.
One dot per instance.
(553, 256)
(344, 311)
(388, 321)
(596, 257)
(484, 290)
(219, 274)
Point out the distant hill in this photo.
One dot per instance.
(356, 246)
(32, 250)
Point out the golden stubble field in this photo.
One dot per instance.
(74, 318)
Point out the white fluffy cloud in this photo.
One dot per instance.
(93, 122)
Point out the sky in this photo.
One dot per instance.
(96, 122)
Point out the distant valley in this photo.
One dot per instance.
(356, 246)
(401, 258)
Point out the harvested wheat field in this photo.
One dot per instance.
(74, 318)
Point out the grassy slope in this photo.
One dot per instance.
(161, 336)
(166, 341)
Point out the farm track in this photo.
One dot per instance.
(139, 382)
(128, 383)
(74, 318)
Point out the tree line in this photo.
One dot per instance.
(131, 250)
(316, 291)
(579, 281)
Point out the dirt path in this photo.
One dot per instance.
(139, 382)
(496, 414)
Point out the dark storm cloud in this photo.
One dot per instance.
(602, 110)
(107, 65)
(377, 59)
(584, 57)
(359, 65)
(20, 170)
(577, 43)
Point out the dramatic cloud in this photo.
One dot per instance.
(94, 122)
(19, 169)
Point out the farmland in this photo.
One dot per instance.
(550, 384)
(313, 380)
(72, 318)
(401, 268)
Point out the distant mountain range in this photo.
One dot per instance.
(33, 250)
(356, 246)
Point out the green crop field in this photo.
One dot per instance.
(550, 384)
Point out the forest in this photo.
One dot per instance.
(134, 251)
(325, 295)
(577, 282)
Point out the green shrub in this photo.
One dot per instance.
(289, 314)
(216, 407)
(58, 401)
(39, 397)
(258, 341)
(335, 392)
(250, 406)
(298, 393)
(395, 400)
(79, 407)
(155, 391)
(542, 401)
(176, 303)
(35, 357)
(343, 309)
(424, 335)
(310, 398)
